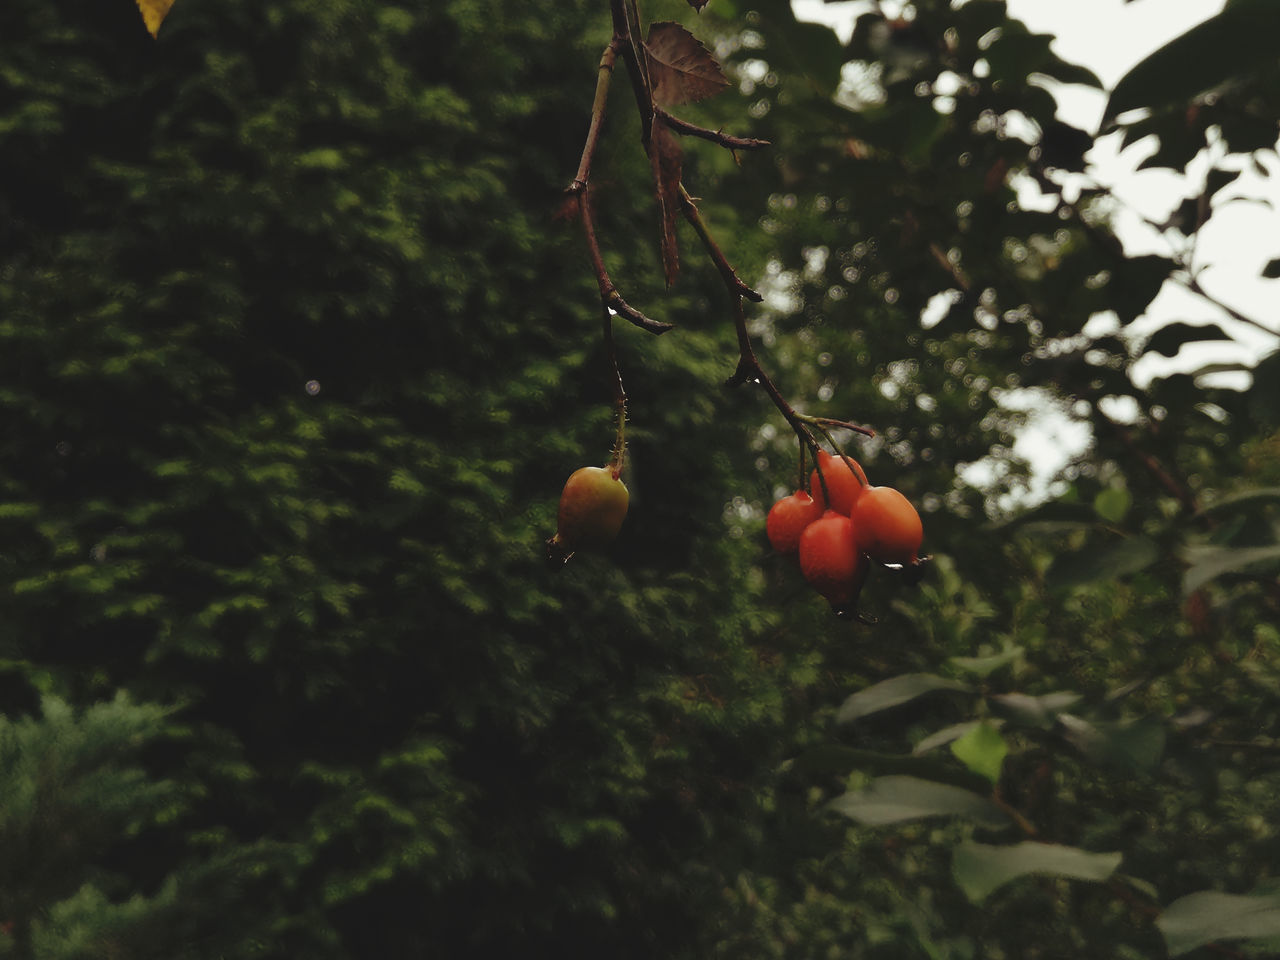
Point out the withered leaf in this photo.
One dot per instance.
(680, 67)
(153, 13)
(666, 160)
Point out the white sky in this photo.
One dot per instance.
(1233, 245)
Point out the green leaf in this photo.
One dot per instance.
(1112, 504)
(1209, 563)
(894, 799)
(979, 868)
(1246, 498)
(1102, 563)
(1169, 339)
(1033, 711)
(1127, 744)
(894, 692)
(837, 759)
(982, 750)
(945, 735)
(1201, 918)
(985, 666)
(1240, 39)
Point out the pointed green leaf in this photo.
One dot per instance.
(1246, 498)
(1033, 711)
(894, 799)
(1201, 918)
(838, 759)
(982, 750)
(984, 666)
(943, 736)
(1209, 563)
(979, 868)
(893, 692)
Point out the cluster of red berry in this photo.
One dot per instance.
(837, 540)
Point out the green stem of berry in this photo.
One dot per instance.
(821, 424)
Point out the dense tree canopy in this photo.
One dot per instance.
(299, 341)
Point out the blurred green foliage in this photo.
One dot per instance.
(295, 356)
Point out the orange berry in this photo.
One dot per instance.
(829, 558)
(888, 526)
(592, 508)
(788, 518)
(845, 482)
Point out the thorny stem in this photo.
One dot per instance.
(731, 278)
(715, 136)
(609, 295)
(619, 397)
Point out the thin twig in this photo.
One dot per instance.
(607, 60)
(731, 278)
(715, 136)
(609, 295)
(1193, 284)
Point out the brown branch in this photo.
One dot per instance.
(731, 278)
(715, 136)
(609, 295)
(1192, 284)
(844, 425)
(607, 60)
(626, 29)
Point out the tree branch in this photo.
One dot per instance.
(715, 136)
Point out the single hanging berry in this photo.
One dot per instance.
(592, 508)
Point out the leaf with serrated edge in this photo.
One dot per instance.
(894, 799)
(1201, 918)
(892, 692)
(980, 868)
(681, 69)
(153, 13)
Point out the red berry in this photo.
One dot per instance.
(888, 526)
(788, 519)
(845, 482)
(592, 508)
(830, 561)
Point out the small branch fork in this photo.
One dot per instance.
(626, 44)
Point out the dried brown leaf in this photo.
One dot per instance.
(153, 13)
(666, 160)
(681, 69)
